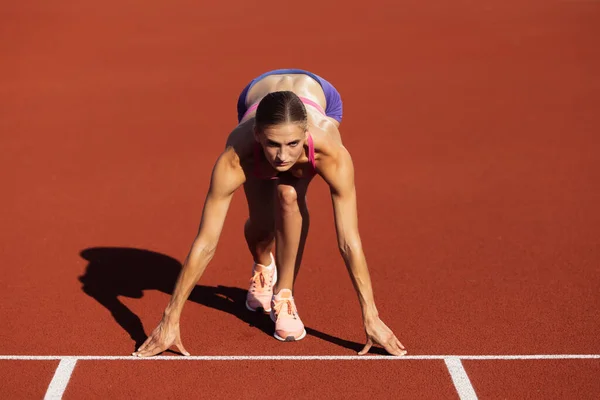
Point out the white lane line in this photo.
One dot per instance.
(301, 358)
(61, 378)
(532, 357)
(460, 379)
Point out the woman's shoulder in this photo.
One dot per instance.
(331, 156)
(327, 139)
(241, 141)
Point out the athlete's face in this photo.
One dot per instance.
(282, 144)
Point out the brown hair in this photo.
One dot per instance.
(279, 108)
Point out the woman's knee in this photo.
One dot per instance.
(287, 198)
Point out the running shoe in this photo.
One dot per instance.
(288, 325)
(260, 292)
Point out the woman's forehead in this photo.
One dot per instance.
(284, 131)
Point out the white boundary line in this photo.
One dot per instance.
(61, 379)
(305, 358)
(458, 374)
(461, 380)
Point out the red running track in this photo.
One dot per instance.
(473, 126)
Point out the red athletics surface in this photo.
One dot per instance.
(257, 379)
(474, 131)
(25, 379)
(540, 379)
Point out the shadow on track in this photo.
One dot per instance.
(119, 271)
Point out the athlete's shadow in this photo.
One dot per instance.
(114, 271)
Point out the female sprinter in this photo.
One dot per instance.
(287, 134)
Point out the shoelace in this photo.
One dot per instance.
(291, 307)
(258, 279)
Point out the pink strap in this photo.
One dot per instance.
(250, 109)
(312, 103)
(304, 100)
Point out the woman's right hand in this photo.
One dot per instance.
(165, 335)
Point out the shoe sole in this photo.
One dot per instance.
(290, 338)
(257, 309)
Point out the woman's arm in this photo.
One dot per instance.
(338, 172)
(227, 176)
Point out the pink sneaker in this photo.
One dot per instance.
(260, 292)
(288, 326)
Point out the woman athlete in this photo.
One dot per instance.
(287, 134)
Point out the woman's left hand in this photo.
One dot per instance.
(378, 333)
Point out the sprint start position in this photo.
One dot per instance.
(287, 134)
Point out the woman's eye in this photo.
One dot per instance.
(294, 144)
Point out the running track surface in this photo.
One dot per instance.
(474, 130)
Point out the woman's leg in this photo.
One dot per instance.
(259, 229)
(278, 213)
(291, 229)
(292, 222)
